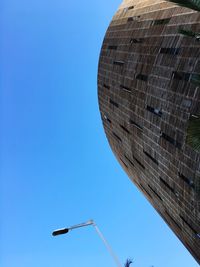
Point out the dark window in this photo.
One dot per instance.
(130, 7)
(152, 158)
(130, 19)
(180, 75)
(135, 124)
(138, 161)
(171, 51)
(154, 192)
(129, 161)
(171, 140)
(155, 111)
(136, 40)
(172, 219)
(118, 63)
(142, 187)
(125, 88)
(124, 163)
(106, 86)
(127, 131)
(160, 21)
(142, 77)
(186, 180)
(107, 119)
(114, 103)
(167, 185)
(190, 226)
(117, 136)
(112, 47)
(195, 79)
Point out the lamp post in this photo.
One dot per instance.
(88, 223)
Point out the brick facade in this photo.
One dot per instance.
(149, 96)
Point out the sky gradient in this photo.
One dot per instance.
(56, 167)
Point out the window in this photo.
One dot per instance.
(193, 132)
(136, 40)
(170, 51)
(180, 75)
(118, 63)
(186, 180)
(124, 163)
(130, 7)
(130, 19)
(149, 156)
(142, 187)
(160, 22)
(195, 79)
(190, 226)
(138, 161)
(167, 185)
(125, 88)
(155, 192)
(135, 124)
(127, 131)
(107, 119)
(118, 138)
(142, 77)
(112, 47)
(172, 219)
(106, 86)
(114, 103)
(155, 111)
(171, 140)
(129, 161)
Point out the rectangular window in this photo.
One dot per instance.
(186, 180)
(142, 187)
(124, 163)
(167, 185)
(155, 193)
(190, 226)
(171, 140)
(114, 103)
(170, 51)
(118, 63)
(135, 124)
(149, 156)
(142, 77)
(107, 119)
(117, 136)
(138, 161)
(136, 40)
(130, 19)
(127, 131)
(125, 88)
(112, 47)
(172, 219)
(195, 79)
(180, 75)
(106, 86)
(160, 22)
(155, 111)
(129, 161)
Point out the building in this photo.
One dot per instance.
(149, 98)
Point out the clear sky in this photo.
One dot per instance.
(56, 168)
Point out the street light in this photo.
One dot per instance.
(88, 223)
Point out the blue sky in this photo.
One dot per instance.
(56, 168)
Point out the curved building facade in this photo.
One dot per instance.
(149, 98)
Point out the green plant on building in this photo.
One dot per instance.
(193, 132)
(189, 33)
(193, 4)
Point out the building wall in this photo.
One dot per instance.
(149, 91)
